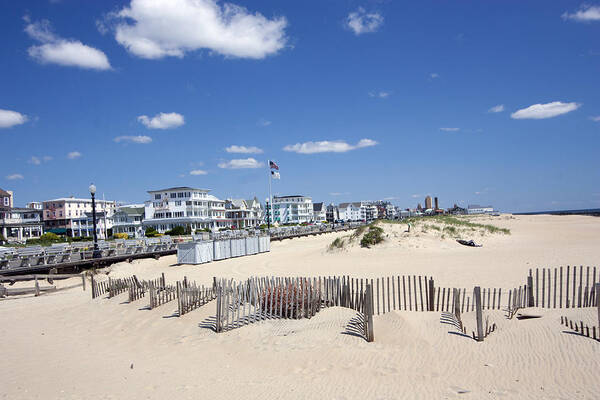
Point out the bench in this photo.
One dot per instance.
(57, 254)
(30, 255)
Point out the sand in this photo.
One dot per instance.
(67, 346)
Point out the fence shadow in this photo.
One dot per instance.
(209, 323)
(356, 327)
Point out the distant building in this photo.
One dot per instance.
(191, 208)
(436, 204)
(428, 203)
(295, 209)
(58, 214)
(332, 213)
(128, 219)
(456, 210)
(6, 198)
(358, 211)
(20, 224)
(242, 213)
(83, 226)
(319, 212)
(477, 209)
(36, 205)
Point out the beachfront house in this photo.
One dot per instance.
(242, 213)
(128, 219)
(20, 224)
(83, 226)
(58, 214)
(358, 211)
(332, 213)
(295, 209)
(191, 208)
(319, 212)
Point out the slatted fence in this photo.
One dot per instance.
(192, 296)
(583, 330)
(564, 287)
(161, 294)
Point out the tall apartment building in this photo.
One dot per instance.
(192, 208)
(59, 214)
(428, 204)
(294, 209)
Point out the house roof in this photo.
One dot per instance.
(354, 203)
(132, 210)
(4, 193)
(179, 188)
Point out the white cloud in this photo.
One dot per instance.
(434, 75)
(10, 118)
(198, 172)
(162, 120)
(339, 193)
(34, 160)
(66, 52)
(264, 122)
(14, 177)
(497, 109)
(46, 158)
(548, 110)
(327, 146)
(381, 95)
(160, 28)
(586, 13)
(414, 196)
(596, 118)
(361, 22)
(243, 149)
(449, 129)
(140, 139)
(73, 155)
(241, 163)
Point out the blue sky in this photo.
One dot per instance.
(355, 100)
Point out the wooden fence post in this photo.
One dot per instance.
(83, 280)
(218, 319)
(369, 314)
(457, 304)
(530, 300)
(431, 294)
(598, 302)
(478, 310)
(37, 286)
(93, 287)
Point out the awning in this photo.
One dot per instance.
(58, 231)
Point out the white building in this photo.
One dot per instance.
(128, 219)
(295, 209)
(36, 205)
(189, 207)
(319, 212)
(242, 213)
(83, 226)
(20, 223)
(357, 211)
(59, 214)
(477, 209)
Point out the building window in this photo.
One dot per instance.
(173, 195)
(157, 197)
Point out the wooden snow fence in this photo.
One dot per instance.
(563, 287)
(161, 293)
(140, 288)
(119, 285)
(259, 299)
(583, 330)
(192, 296)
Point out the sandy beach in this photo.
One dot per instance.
(67, 346)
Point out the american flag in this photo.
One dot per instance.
(272, 165)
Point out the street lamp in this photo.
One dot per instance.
(268, 216)
(96, 253)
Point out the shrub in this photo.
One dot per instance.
(121, 236)
(263, 226)
(151, 232)
(50, 237)
(177, 231)
(338, 243)
(372, 237)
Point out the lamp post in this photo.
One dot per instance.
(268, 216)
(96, 253)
